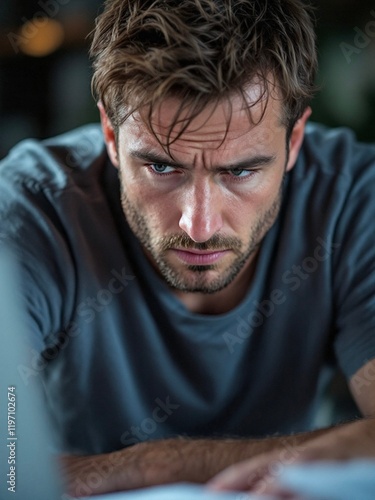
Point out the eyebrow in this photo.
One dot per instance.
(152, 157)
(253, 162)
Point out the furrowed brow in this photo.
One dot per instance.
(255, 161)
(152, 157)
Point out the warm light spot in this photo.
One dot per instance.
(41, 36)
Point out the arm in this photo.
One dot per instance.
(174, 460)
(344, 442)
(171, 460)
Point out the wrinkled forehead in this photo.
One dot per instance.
(224, 120)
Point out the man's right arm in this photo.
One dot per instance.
(175, 460)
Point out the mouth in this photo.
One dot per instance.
(199, 257)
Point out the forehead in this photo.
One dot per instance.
(226, 124)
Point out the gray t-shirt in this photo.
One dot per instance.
(125, 361)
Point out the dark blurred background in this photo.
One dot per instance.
(45, 73)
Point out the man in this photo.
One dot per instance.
(192, 284)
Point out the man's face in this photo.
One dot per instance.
(202, 213)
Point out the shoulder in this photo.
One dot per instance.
(53, 164)
(43, 183)
(329, 195)
(334, 152)
(332, 168)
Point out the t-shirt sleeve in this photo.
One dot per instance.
(354, 269)
(30, 228)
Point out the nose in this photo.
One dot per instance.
(201, 211)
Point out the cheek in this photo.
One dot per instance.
(246, 210)
(159, 209)
(256, 198)
(166, 213)
(269, 189)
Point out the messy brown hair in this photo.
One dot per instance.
(202, 51)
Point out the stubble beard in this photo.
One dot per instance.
(197, 280)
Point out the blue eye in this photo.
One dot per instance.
(160, 168)
(237, 172)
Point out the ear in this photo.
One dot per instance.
(109, 135)
(296, 138)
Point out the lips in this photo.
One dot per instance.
(199, 258)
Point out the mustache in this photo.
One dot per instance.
(216, 242)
